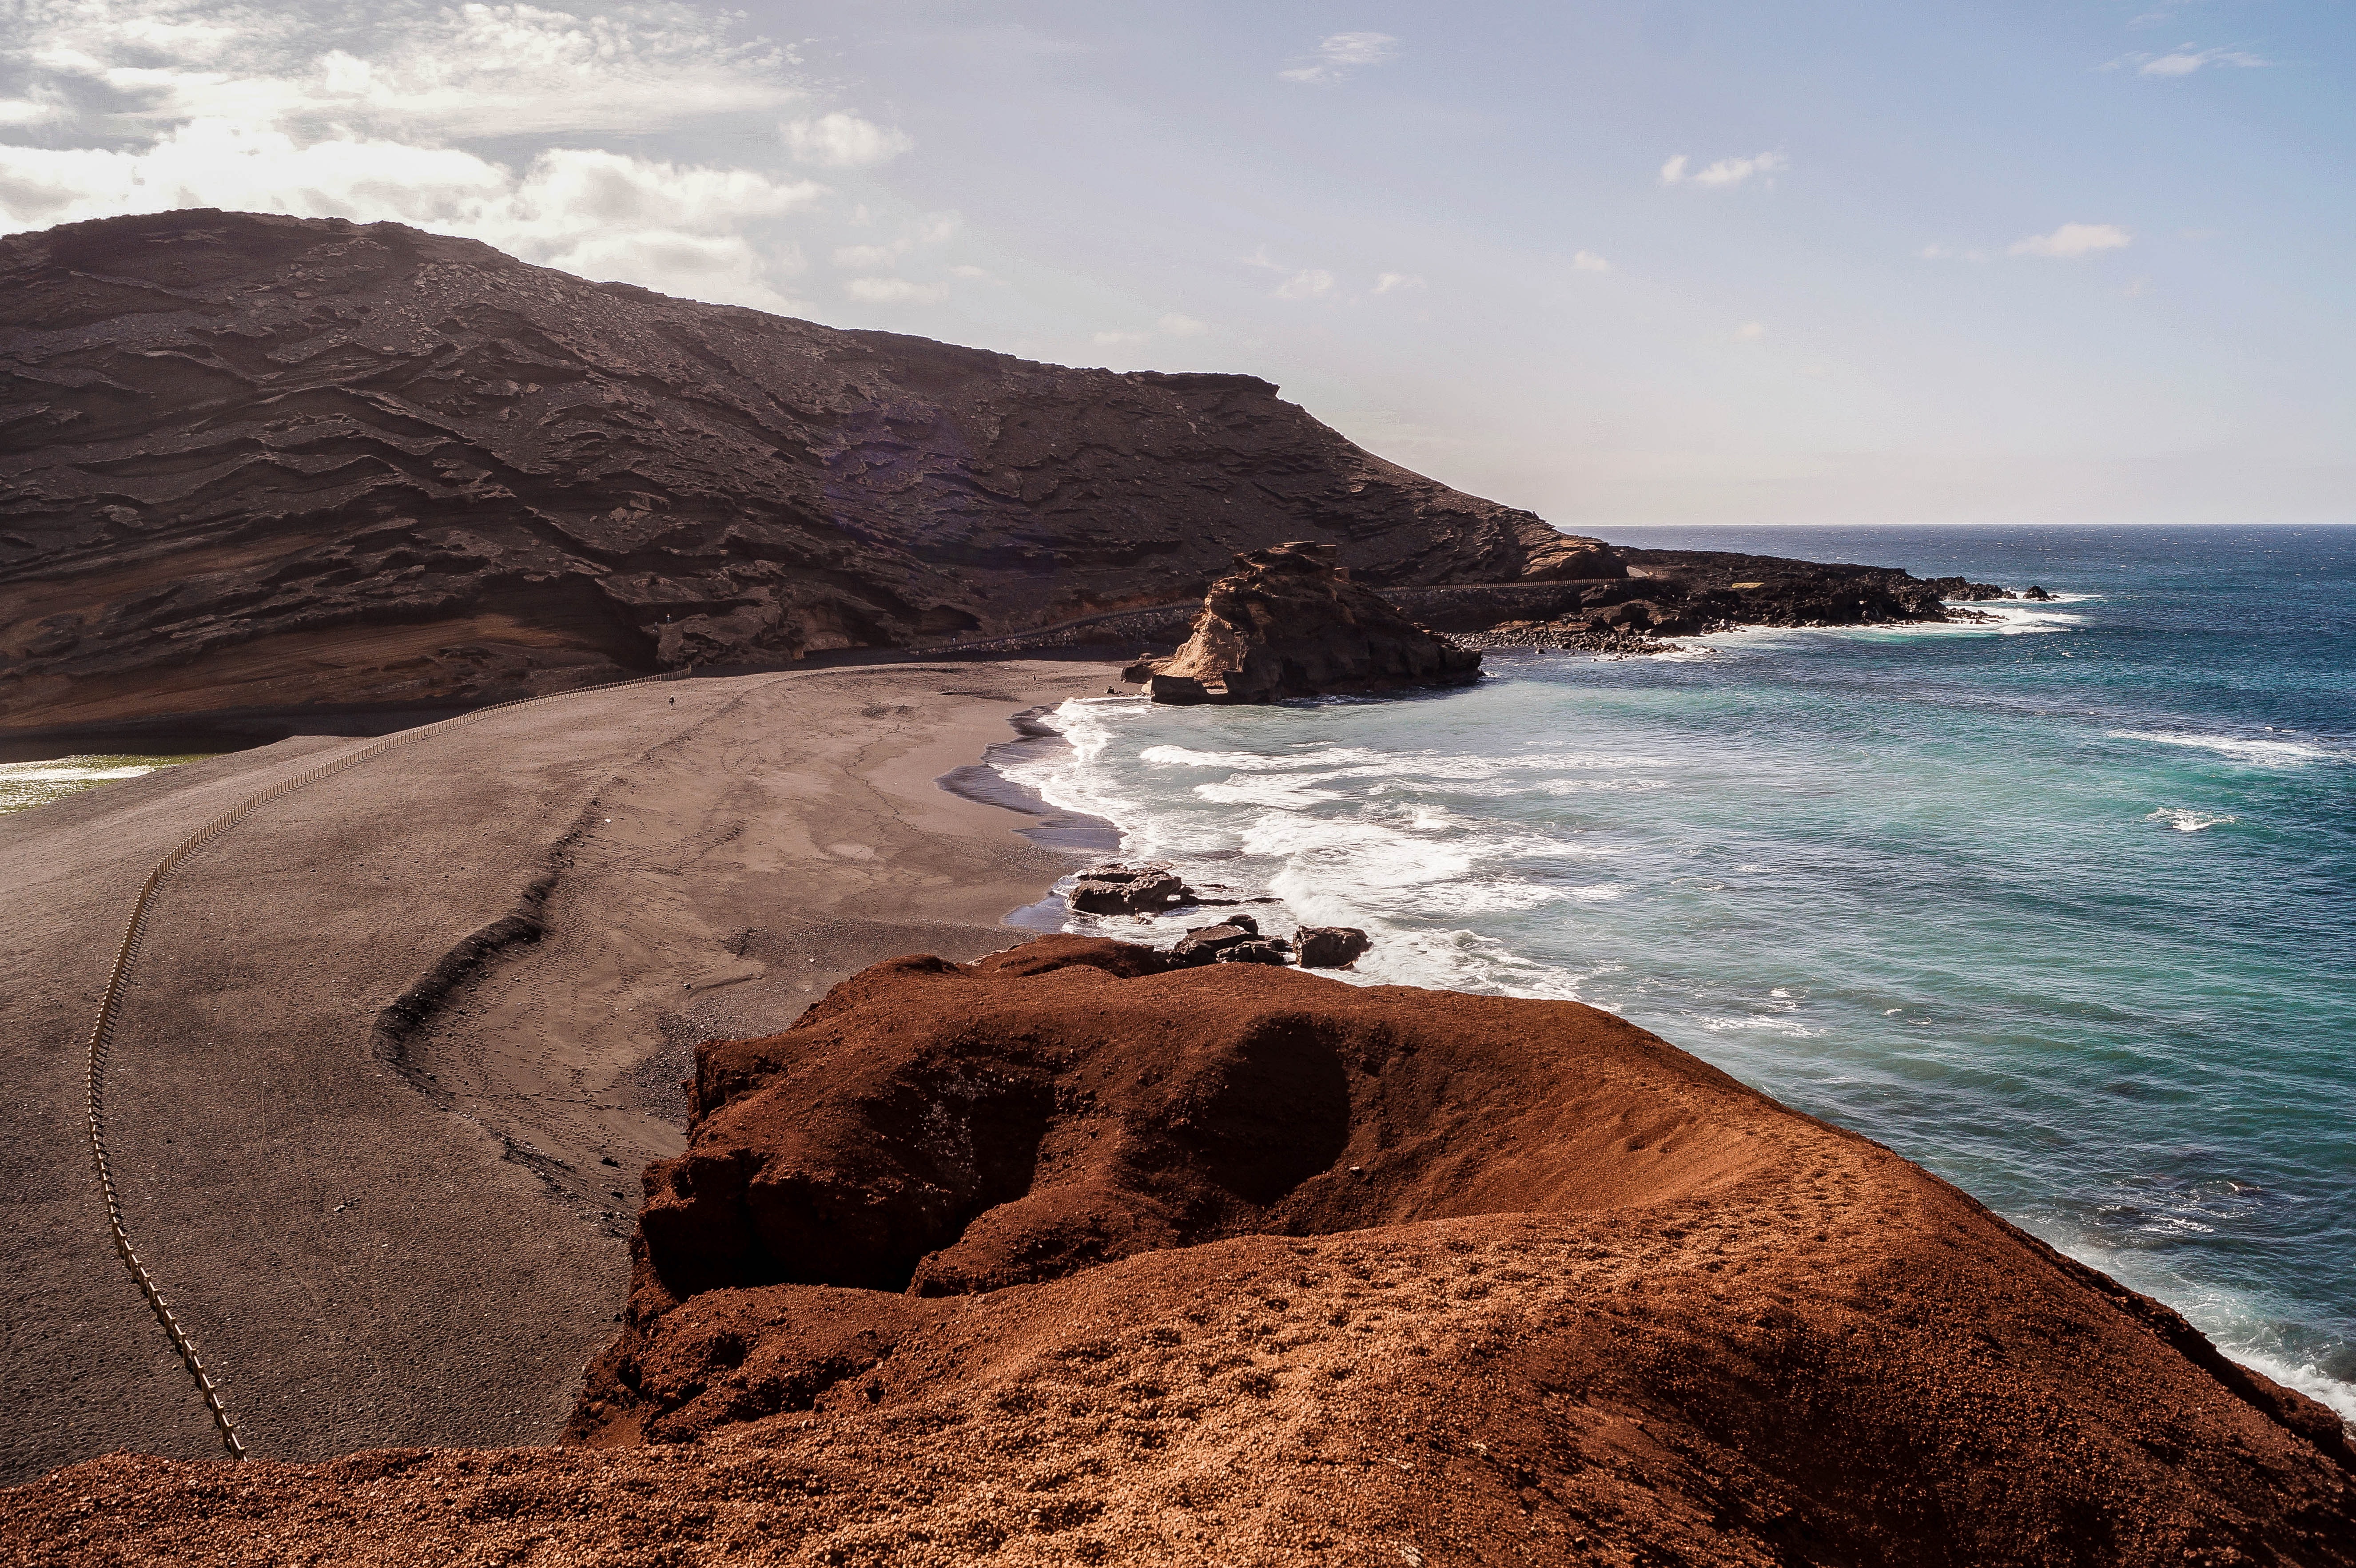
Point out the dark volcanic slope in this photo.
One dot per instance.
(258, 462)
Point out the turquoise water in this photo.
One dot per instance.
(2060, 908)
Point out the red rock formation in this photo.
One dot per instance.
(1290, 623)
(265, 461)
(1311, 1274)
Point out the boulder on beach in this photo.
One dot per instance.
(1289, 622)
(1330, 946)
(1204, 944)
(1255, 950)
(1116, 889)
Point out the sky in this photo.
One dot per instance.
(1672, 262)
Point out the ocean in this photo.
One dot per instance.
(2062, 907)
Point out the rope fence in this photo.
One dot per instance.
(109, 1008)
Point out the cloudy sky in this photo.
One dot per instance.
(1676, 263)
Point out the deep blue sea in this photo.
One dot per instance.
(2062, 908)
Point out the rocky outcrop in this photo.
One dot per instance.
(1622, 1265)
(1290, 623)
(1116, 889)
(1573, 557)
(1235, 940)
(270, 462)
(1059, 1257)
(1330, 946)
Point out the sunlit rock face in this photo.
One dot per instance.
(1288, 622)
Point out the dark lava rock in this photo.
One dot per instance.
(1204, 944)
(1115, 889)
(275, 463)
(1290, 623)
(2033, 591)
(1257, 950)
(1330, 946)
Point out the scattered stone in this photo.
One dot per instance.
(1330, 946)
(1116, 889)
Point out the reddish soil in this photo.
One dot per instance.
(1058, 1258)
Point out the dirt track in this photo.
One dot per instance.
(349, 1238)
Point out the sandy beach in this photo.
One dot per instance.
(413, 1231)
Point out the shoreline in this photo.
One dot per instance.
(344, 1205)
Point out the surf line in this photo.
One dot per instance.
(118, 982)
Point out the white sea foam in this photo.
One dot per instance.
(1290, 794)
(1253, 762)
(2240, 748)
(2003, 621)
(1771, 1022)
(2185, 821)
(64, 771)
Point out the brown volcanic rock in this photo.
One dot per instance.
(262, 462)
(1558, 1280)
(1533, 1285)
(1290, 623)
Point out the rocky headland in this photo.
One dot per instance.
(262, 462)
(1289, 622)
(1064, 1256)
(272, 465)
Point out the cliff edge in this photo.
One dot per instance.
(1064, 1257)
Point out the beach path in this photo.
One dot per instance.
(410, 1229)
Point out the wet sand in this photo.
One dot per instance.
(404, 1229)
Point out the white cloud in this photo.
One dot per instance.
(1119, 339)
(2186, 58)
(1589, 261)
(964, 269)
(1750, 332)
(1340, 53)
(1176, 326)
(1679, 170)
(2073, 240)
(894, 291)
(866, 257)
(469, 70)
(603, 215)
(360, 113)
(1310, 282)
(26, 110)
(844, 141)
(1394, 282)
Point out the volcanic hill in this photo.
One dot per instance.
(263, 463)
(1062, 1257)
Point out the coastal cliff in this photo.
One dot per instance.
(271, 462)
(1287, 621)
